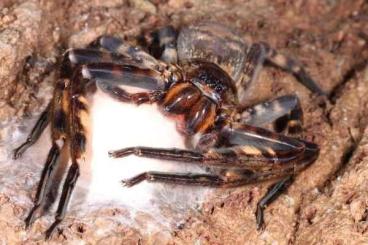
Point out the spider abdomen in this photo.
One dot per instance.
(192, 111)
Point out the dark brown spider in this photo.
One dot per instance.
(198, 82)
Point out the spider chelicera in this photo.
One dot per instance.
(198, 79)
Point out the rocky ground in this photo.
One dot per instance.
(328, 202)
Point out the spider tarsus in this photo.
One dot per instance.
(31, 217)
(135, 180)
(51, 230)
(129, 182)
(123, 152)
(18, 152)
(126, 183)
(113, 154)
(260, 218)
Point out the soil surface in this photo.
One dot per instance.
(328, 202)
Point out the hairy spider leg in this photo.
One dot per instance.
(77, 118)
(75, 57)
(247, 147)
(294, 67)
(227, 179)
(284, 112)
(35, 134)
(109, 76)
(123, 96)
(226, 175)
(58, 117)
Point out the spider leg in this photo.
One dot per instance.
(124, 75)
(109, 76)
(72, 58)
(272, 194)
(176, 178)
(118, 46)
(77, 127)
(35, 134)
(218, 177)
(43, 186)
(59, 126)
(123, 96)
(69, 184)
(294, 67)
(249, 147)
(285, 113)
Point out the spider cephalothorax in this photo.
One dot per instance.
(198, 79)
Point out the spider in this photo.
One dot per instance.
(197, 77)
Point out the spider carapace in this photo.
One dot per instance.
(195, 103)
(198, 78)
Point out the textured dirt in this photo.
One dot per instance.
(327, 204)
